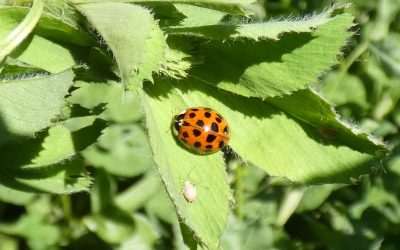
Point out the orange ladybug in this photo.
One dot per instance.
(202, 130)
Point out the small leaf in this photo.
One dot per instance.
(132, 35)
(27, 106)
(266, 69)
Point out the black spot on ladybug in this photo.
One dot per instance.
(192, 115)
(197, 144)
(185, 123)
(211, 138)
(177, 126)
(218, 119)
(194, 109)
(200, 123)
(214, 127)
(180, 117)
(221, 144)
(209, 146)
(225, 130)
(185, 134)
(207, 114)
(196, 132)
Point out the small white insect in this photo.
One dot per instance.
(189, 191)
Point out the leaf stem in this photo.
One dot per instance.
(8, 44)
(66, 204)
(240, 173)
(353, 56)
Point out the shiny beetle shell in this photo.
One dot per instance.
(202, 130)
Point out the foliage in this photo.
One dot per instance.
(89, 90)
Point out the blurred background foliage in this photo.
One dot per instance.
(128, 207)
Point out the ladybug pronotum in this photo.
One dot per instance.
(202, 130)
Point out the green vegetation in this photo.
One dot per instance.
(89, 89)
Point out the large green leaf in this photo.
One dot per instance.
(207, 215)
(200, 23)
(28, 105)
(132, 35)
(281, 144)
(267, 68)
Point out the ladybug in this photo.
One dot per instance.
(202, 130)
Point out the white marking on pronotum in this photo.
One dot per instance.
(189, 191)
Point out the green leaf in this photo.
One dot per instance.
(13, 69)
(260, 134)
(308, 106)
(13, 196)
(39, 234)
(63, 178)
(27, 106)
(45, 54)
(266, 69)
(343, 88)
(212, 28)
(132, 35)
(14, 38)
(315, 196)
(121, 106)
(228, 6)
(137, 195)
(207, 215)
(198, 16)
(49, 26)
(64, 141)
(121, 150)
(178, 59)
(57, 146)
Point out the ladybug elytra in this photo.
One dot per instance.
(202, 130)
